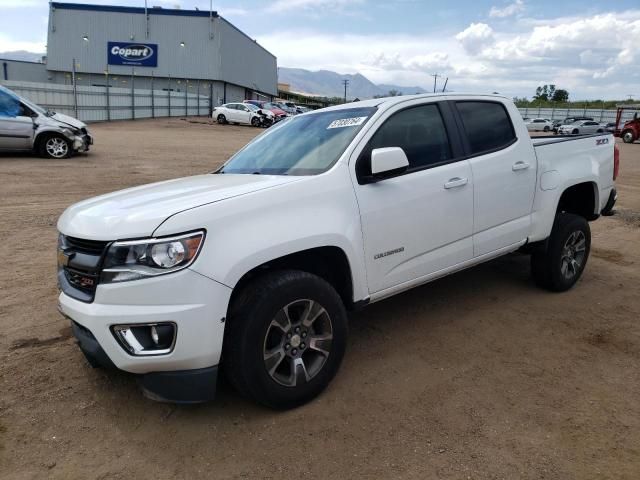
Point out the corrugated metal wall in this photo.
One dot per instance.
(17, 70)
(123, 103)
(229, 56)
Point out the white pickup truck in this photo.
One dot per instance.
(252, 268)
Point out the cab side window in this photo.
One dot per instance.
(487, 126)
(419, 131)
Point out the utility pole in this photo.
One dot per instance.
(345, 82)
(435, 79)
(444, 89)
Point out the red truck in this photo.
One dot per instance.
(629, 131)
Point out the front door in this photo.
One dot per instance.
(16, 127)
(418, 222)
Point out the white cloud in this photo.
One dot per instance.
(234, 12)
(316, 5)
(476, 37)
(508, 11)
(20, 3)
(592, 56)
(9, 45)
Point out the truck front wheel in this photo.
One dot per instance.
(559, 264)
(285, 339)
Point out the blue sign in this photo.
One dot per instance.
(133, 54)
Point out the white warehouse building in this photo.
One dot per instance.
(153, 48)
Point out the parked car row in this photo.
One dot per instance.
(256, 112)
(569, 126)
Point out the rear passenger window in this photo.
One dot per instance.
(487, 125)
(419, 131)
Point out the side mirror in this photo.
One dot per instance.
(385, 160)
(259, 112)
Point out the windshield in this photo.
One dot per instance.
(251, 107)
(304, 145)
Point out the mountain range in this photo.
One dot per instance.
(329, 84)
(22, 55)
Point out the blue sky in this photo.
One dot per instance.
(591, 48)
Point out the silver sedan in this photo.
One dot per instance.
(583, 127)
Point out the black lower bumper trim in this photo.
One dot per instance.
(92, 350)
(181, 386)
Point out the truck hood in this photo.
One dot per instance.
(137, 212)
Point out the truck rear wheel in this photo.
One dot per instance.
(285, 338)
(559, 265)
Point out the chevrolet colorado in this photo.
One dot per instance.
(253, 267)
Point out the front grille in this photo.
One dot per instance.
(81, 280)
(94, 247)
(79, 266)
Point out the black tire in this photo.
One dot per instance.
(255, 121)
(551, 264)
(221, 119)
(55, 146)
(575, 131)
(252, 334)
(627, 136)
(545, 129)
(600, 130)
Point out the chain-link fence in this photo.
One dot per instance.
(603, 116)
(94, 103)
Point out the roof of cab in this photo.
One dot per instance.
(390, 101)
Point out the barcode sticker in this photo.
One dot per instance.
(347, 122)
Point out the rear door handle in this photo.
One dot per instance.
(456, 182)
(520, 166)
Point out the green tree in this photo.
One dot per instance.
(560, 96)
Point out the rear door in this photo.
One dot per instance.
(504, 174)
(418, 221)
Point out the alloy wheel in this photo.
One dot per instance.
(297, 343)
(573, 254)
(57, 147)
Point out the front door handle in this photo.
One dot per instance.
(520, 166)
(456, 182)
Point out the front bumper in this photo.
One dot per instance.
(81, 143)
(196, 304)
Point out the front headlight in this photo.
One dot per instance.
(135, 259)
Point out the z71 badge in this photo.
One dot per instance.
(602, 141)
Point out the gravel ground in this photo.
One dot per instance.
(476, 376)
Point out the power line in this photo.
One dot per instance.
(345, 82)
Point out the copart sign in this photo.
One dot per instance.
(133, 54)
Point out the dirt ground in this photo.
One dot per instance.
(477, 376)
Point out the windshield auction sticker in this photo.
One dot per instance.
(347, 122)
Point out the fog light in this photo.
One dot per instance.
(146, 339)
